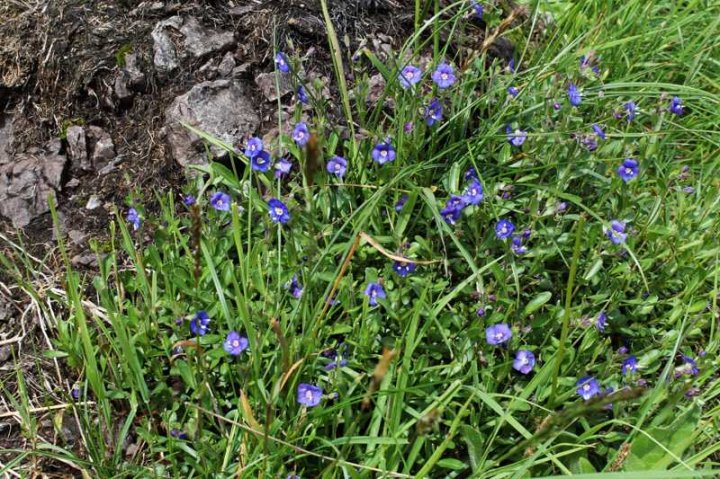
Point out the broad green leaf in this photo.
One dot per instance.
(660, 446)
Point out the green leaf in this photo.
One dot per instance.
(454, 464)
(474, 440)
(660, 446)
(537, 302)
(594, 269)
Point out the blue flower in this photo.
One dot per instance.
(498, 334)
(630, 109)
(383, 152)
(452, 211)
(517, 137)
(282, 167)
(444, 76)
(199, 324)
(616, 232)
(574, 95)
(282, 63)
(404, 268)
(337, 166)
(374, 291)
(511, 65)
(471, 173)
(336, 364)
(134, 218)
(253, 147)
(676, 106)
(400, 203)
(601, 321)
(628, 170)
(503, 229)
(517, 246)
(433, 112)
(524, 361)
(513, 92)
(598, 131)
(235, 344)
(189, 200)
(409, 76)
(478, 9)
(178, 433)
(301, 134)
(688, 367)
(278, 211)
(296, 289)
(261, 161)
(309, 395)
(629, 365)
(451, 215)
(220, 201)
(473, 193)
(455, 202)
(588, 387)
(302, 95)
(589, 142)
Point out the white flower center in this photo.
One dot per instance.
(586, 387)
(444, 76)
(235, 343)
(409, 75)
(308, 395)
(279, 211)
(383, 152)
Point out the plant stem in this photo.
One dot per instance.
(568, 302)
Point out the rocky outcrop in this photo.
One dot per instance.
(27, 180)
(220, 108)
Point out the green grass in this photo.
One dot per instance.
(422, 394)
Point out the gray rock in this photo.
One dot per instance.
(164, 53)
(220, 108)
(268, 86)
(227, 64)
(88, 260)
(77, 237)
(197, 41)
(5, 353)
(6, 137)
(129, 78)
(102, 147)
(77, 146)
(93, 203)
(200, 41)
(27, 181)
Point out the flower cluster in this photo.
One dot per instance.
(500, 334)
(471, 196)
